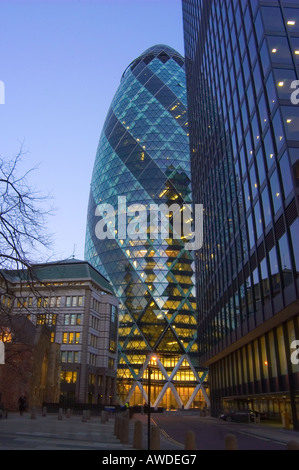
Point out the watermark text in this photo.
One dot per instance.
(295, 94)
(295, 354)
(158, 222)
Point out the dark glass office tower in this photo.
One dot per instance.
(143, 160)
(242, 60)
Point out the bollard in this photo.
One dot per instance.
(119, 426)
(115, 425)
(84, 418)
(60, 414)
(190, 443)
(286, 420)
(68, 413)
(44, 411)
(293, 445)
(33, 413)
(231, 442)
(138, 435)
(124, 435)
(88, 414)
(155, 438)
(103, 416)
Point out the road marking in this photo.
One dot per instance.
(166, 436)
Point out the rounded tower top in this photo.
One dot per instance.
(160, 48)
(162, 51)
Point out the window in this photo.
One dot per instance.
(260, 166)
(286, 174)
(285, 259)
(69, 356)
(263, 112)
(68, 376)
(47, 319)
(276, 192)
(283, 81)
(74, 301)
(292, 18)
(295, 49)
(294, 229)
(269, 149)
(294, 155)
(278, 131)
(246, 194)
(265, 57)
(55, 302)
(256, 286)
(250, 231)
(271, 92)
(70, 337)
(113, 329)
(255, 131)
(272, 18)
(290, 116)
(258, 220)
(281, 351)
(265, 279)
(254, 182)
(257, 78)
(279, 50)
(275, 278)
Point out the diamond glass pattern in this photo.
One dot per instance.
(143, 154)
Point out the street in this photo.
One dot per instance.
(210, 433)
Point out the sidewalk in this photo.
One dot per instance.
(49, 433)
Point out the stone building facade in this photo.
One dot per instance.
(31, 364)
(77, 306)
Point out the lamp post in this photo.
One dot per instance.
(152, 358)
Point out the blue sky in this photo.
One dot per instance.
(61, 63)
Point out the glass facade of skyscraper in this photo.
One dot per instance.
(242, 62)
(143, 160)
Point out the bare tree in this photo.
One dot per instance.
(22, 217)
(23, 234)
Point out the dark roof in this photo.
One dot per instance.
(71, 269)
(158, 48)
(162, 51)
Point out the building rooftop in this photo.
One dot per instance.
(68, 269)
(162, 51)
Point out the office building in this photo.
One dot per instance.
(242, 62)
(143, 160)
(78, 307)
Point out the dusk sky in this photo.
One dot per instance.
(61, 63)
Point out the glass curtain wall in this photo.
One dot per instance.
(242, 63)
(143, 158)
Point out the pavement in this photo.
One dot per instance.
(72, 433)
(69, 433)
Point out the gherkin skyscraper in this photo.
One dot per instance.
(143, 160)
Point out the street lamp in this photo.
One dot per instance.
(154, 359)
